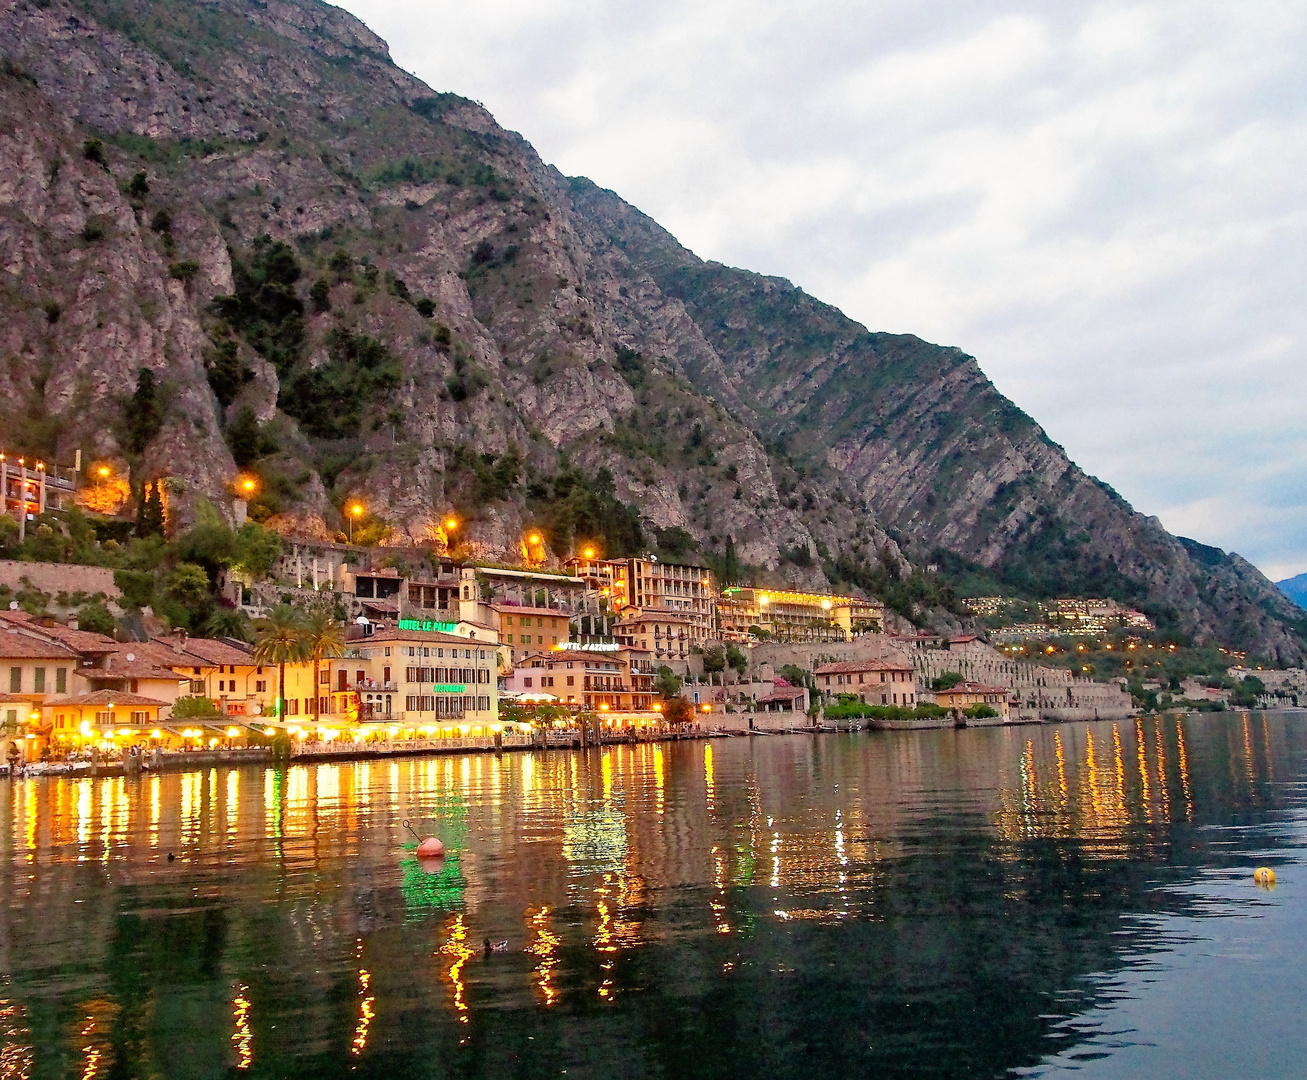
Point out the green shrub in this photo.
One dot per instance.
(96, 618)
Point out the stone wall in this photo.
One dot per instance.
(55, 578)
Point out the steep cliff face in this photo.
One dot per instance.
(358, 288)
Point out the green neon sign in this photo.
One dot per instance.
(424, 624)
(448, 688)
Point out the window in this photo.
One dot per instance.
(15, 680)
(197, 686)
(387, 650)
(324, 676)
(61, 680)
(467, 654)
(540, 623)
(508, 620)
(258, 671)
(261, 686)
(38, 683)
(527, 683)
(555, 639)
(196, 671)
(510, 639)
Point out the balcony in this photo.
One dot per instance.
(373, 686)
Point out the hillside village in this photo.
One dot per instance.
(457, 654)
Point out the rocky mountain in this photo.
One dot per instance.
(360, 290)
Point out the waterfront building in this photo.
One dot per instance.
(965, 695)
(665, 635)
(107, 717)
(422, 680)
(523, 629)
(781, 615)
(603, 678)
(647, 589)
(873, 682)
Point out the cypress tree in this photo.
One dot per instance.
(149, 516)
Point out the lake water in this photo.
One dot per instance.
(1028, 901)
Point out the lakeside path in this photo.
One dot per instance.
(187, 761)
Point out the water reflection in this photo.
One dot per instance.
(779, 905)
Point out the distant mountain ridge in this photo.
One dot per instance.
(361, 288)
(1295, 588)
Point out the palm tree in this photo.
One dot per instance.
(280, 640)
(322, 637)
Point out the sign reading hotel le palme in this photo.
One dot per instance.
(425, 624)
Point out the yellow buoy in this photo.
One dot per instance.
(1265, 877)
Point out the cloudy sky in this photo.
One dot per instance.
(1103, 202)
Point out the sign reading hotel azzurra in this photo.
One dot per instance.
(425, 624)
(447, 688)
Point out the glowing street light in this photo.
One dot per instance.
(354, 511)
(103, 470)
(589, 553)
(249, 485)
(451, 523)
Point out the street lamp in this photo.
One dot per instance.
(451, 523)
(103, 470)
(354, 511)
(249, 485)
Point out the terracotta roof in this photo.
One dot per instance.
(974, 688)
(430, 637)
(117, 666)
(16, 645)
(524, 609)
(387, 605)
(209, 651)
(962, 639)
(847, 667)
(783, 693)
(106, 697)
(81, 640)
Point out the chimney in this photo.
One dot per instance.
(179, 642)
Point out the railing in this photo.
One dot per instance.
(373, 685)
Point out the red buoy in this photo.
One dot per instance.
(430, 848)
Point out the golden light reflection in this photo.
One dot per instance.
(1141, 755)
(545, 946)
(243, 1036)
(83, 811)
(233, 802)
(30, 819)
(96, 1033)
(721, 924)
(709, 784)
(1061, 770)
(16, 1051)
(1184, 772)
(658, 779)
(1163, 793)
(1249, 771)
(459, 952)
(156, 783)
(367, 1010)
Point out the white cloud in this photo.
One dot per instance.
(1102, 201)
